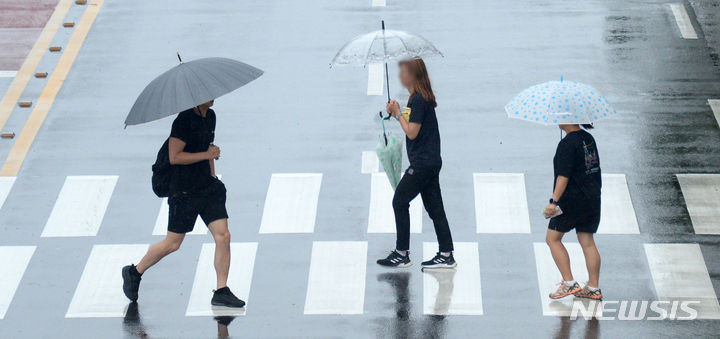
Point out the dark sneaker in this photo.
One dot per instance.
(395, 259)
(131, 282)
(440, 261)
(223, 297)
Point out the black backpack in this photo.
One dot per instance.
(162, 170)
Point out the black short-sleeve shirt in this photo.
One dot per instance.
(424, 150)
(577, 159)
(197, 133)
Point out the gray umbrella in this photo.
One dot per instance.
(189, 84)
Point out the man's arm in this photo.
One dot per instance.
(178, 157)
(212, 167)
(560, 186)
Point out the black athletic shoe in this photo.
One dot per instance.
(440, 261)
(223, 297)
(131, 282)
(395, 259)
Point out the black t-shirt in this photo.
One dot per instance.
(577, 158)
(197, 133)
(424, 150)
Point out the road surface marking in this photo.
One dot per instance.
(52, 87)
(239, 280)
(336, 283)
(382, 216)
(80, 206)
(617, 212)
(683, 21)
(161, 222)
(15, 260)
(679, 273)
(23, 76)
(8, 74)
(99, 292)
(549, 276)
(291, 203)
(702, 197)
(376, 79)
(6, 184)
(501, 203)
(379, 3)
(453, 291)
(715, 106)
(370, 162)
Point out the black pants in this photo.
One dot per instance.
(423, 181)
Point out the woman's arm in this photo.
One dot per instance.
(178, 157)
(560, 186)
(411, 129)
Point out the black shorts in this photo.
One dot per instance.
(581, 223)
(207, 202)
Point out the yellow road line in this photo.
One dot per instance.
(24, 74)
(47, 97)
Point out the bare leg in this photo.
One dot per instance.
(559, 253)
(592, 257)
(170, 244)
(221, 234)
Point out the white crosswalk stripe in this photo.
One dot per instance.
(370, 162)
(617, 212)
(683, 21)
(99, 292)
(291, 203)
(501, 203)
(381, 217)
(15, 260)
(549, 276)
(336, 283)
(376, 79)
(378, 3)
(239, 280)
(6, 184)
(80, 206)
(453, 291)
(679, 273)
(702, 197)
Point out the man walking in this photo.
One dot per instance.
(194, 190)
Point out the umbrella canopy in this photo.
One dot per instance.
(188, 85)
(378, 47)
(558, 103)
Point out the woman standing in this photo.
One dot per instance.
(419, 123)
(576, 198)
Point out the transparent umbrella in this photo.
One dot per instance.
(383, 46)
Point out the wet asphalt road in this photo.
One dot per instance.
(302, 116)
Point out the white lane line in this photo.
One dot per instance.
(456, 291)
(702, 197)
(679, 273)
(161, 222)
(291, 203)
(239, 280)
(382, 216)
(501, 203)
(370, 162)
(15, 260)
(683, 21)
(99, 292)
(80, 206)
(336, 283)
(617, 212)
(379, 3)
(715, 106)
(376, 79)
(6, 184)
(8, 74)
(549, 276)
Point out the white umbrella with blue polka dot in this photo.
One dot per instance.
(560, 102)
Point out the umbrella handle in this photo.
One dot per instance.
(382, 120)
